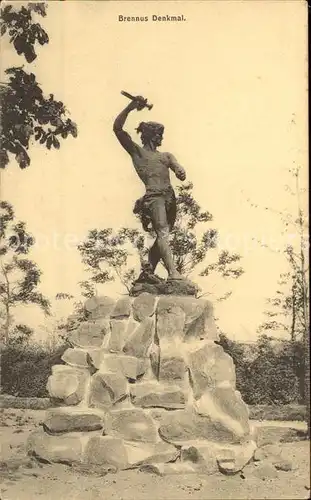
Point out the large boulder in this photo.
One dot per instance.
(203, 326)
(170, 322)
(117, 336)
(106, 451)
(90, 334)
(199, 316)
(113, 453)
(233, 458)
(140, 340)
(67, 384)
(129, 366)
(132, 425)
(143, 306)
(106, 389)
(225, 409)
(63, 449)
(209, 367)
(99, 307)
(122, 308)
(76, 357)
(172, 365)
(60, 421)
(187, 425)
(154, 394)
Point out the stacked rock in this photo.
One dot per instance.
(145, 385)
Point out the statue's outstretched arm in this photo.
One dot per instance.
(177, 169)
(123, 137)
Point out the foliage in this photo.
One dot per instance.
(268, 376)
(107, 254)
(289, 308)
(272, 379)
(20, 334)
(25, 369)
(66, 324)
(19, 276)
(24, 33)
(28, 116)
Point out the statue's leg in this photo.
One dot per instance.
(161, 226)
(154, 256)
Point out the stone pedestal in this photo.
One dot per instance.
(143, 385)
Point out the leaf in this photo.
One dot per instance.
(19, 44)
(30, 54)
(43, 138)
(42, 36)
(63, 296)
(43, 120)
(3, 29)
(49, 142)
(56, 142)
(39, 8)
(74, 130)
(22, 159)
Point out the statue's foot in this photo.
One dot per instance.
(175, 276)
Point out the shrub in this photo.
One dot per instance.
(25, 369)
(270, 375)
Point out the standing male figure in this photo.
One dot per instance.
(158, 205)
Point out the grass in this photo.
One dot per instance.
(290, 412)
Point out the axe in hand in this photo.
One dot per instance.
(143, 102)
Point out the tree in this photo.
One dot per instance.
(20, 335)
(109, 255)
(19, 276)
(66, 324)
(27, 116)
(289, 309)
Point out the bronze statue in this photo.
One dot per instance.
(158, 206)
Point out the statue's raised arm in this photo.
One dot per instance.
(124, 137)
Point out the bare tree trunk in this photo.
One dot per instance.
(293, 322)
(305, 296)
(7, 307)
(7, 323)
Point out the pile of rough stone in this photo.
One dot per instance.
(145, 385)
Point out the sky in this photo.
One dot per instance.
(230, 85)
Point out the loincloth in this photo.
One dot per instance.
(147, 206)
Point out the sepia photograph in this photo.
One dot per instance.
(154, 250)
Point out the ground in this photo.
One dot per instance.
(25, 479)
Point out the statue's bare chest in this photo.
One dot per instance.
(150, 162)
